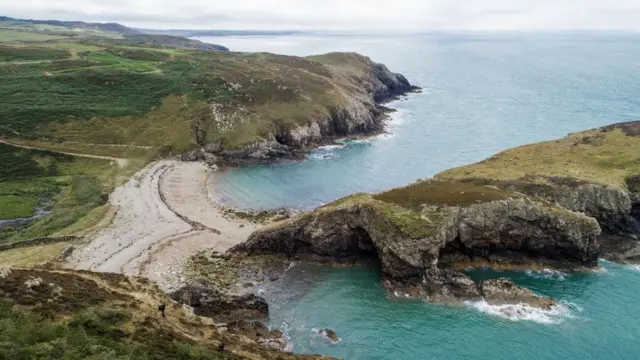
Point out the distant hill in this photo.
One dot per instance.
(197, 33)
(178, 42)
(107, 27)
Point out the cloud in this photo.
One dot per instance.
(341, 14)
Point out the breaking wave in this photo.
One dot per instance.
(547, 274)
(524, 312)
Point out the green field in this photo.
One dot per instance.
(16, 36)
(66, 186)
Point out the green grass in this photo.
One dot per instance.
(67, 186)
(605, 157)
(13, 53)
(12, 206)
(434, 192)
(15, 36)
(94, 333)
(122, 94)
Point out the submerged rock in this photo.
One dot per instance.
(331, 335)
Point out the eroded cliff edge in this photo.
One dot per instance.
(596, 172)
(347, 96)
(424, 234)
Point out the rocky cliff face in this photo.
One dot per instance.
(359, 113)
(424, 243)
(595, 172)
(616, 209)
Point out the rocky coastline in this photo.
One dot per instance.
(423, 246)
(361, 114)
(424, 236)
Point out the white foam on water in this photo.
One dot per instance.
(635, 268)
(524, 312)
(397, 118)
(547, 274)
(322, 156)
(330, 147)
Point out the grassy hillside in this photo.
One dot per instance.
(62, 188)
(87, 94)
(610, 155)
(83, 315)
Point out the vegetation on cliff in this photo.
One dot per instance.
(154, 95)
(596, 172)
(82, 315)
(609, 156)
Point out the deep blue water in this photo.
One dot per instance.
(482, 94)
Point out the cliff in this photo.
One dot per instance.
(134, 97)
(423, 234)
(358, 87)
(83, 315)
(596, 172)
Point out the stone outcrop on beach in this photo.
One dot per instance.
(424, 234)
(596, 172)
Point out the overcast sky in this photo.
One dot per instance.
(340, 14)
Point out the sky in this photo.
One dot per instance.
(399, 15)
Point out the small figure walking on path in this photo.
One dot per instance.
(161, 308)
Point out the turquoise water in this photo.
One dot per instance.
(600, 318)
(482, 94)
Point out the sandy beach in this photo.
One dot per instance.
(164, 216)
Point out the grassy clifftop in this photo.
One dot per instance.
(83, 94)
(609, 155)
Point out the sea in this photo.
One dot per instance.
(482, 93)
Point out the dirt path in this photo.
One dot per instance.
(164, 216)
(120, 161)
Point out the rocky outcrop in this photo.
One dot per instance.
(503, 291)
(424, 245)
(207, 301)
(616, 209)
(360, 113)
(331, 335)
(596, 172)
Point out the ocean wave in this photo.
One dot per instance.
(547, 274)
(330, 147)
(397, 118)
(635, 268)
(524, 312)
(322, 156)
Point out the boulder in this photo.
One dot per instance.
(209, 302)
(330, 334)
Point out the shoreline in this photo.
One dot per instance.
(304, 156)
(163, 219)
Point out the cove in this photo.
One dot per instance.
(483, 93)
